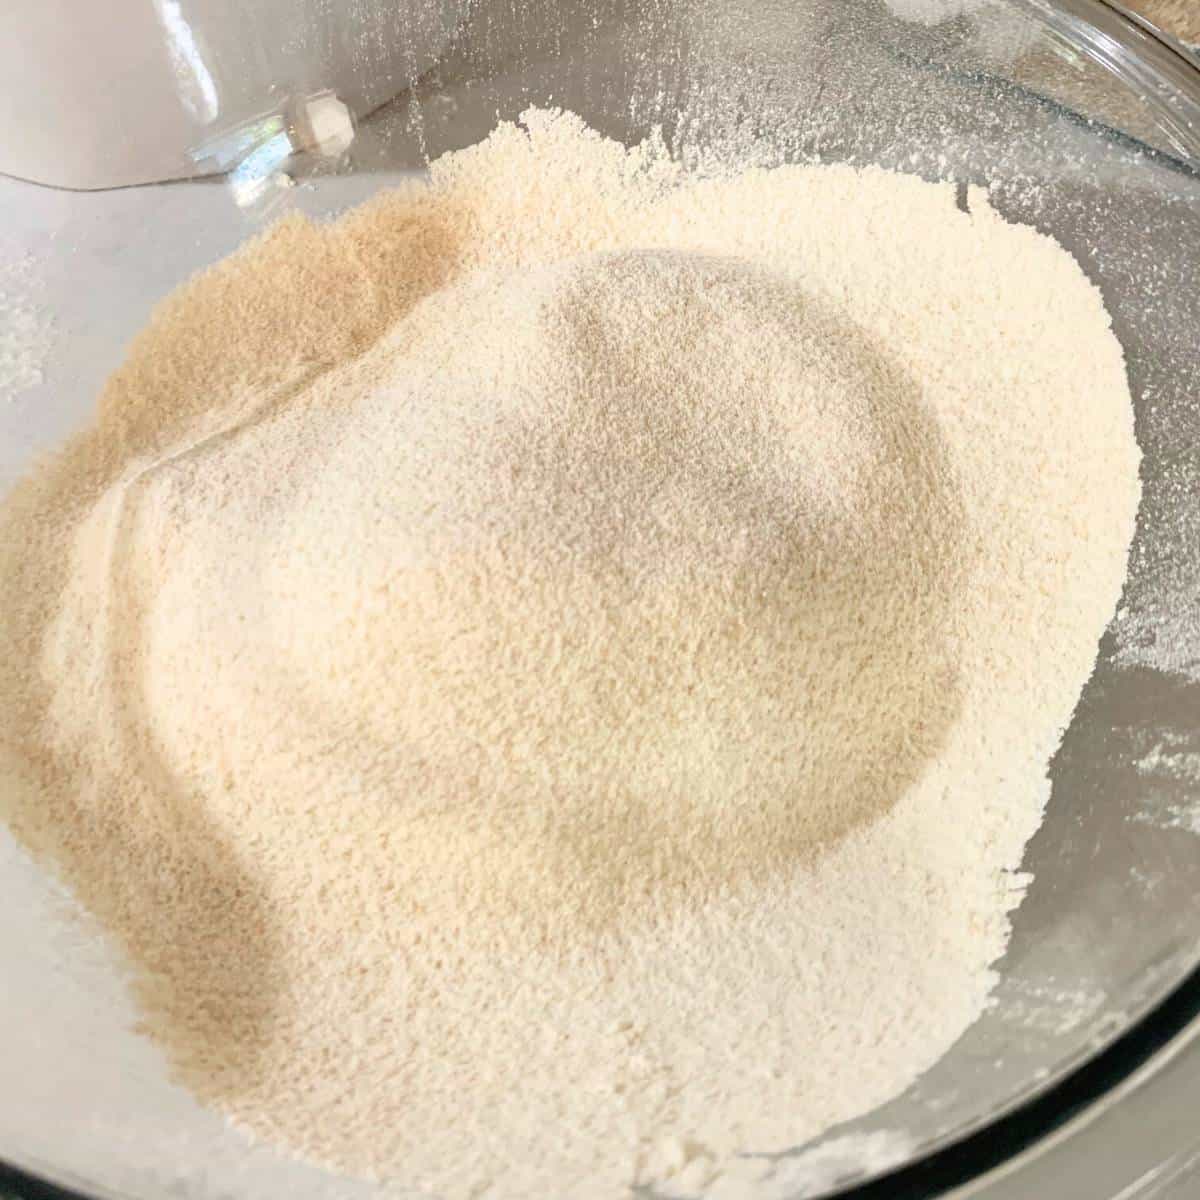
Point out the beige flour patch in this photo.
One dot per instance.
(548, 678)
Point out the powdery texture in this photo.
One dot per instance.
(26, 331)
(549, 678)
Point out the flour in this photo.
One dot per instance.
(26, 330)
(549, 678)
(1172, 765)
(1158, 624)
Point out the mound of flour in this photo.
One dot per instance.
(549, 678)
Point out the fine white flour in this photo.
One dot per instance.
(26, 330)
(548, 679)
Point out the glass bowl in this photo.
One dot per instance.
(1080, 120)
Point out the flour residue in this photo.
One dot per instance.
(26, 328)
